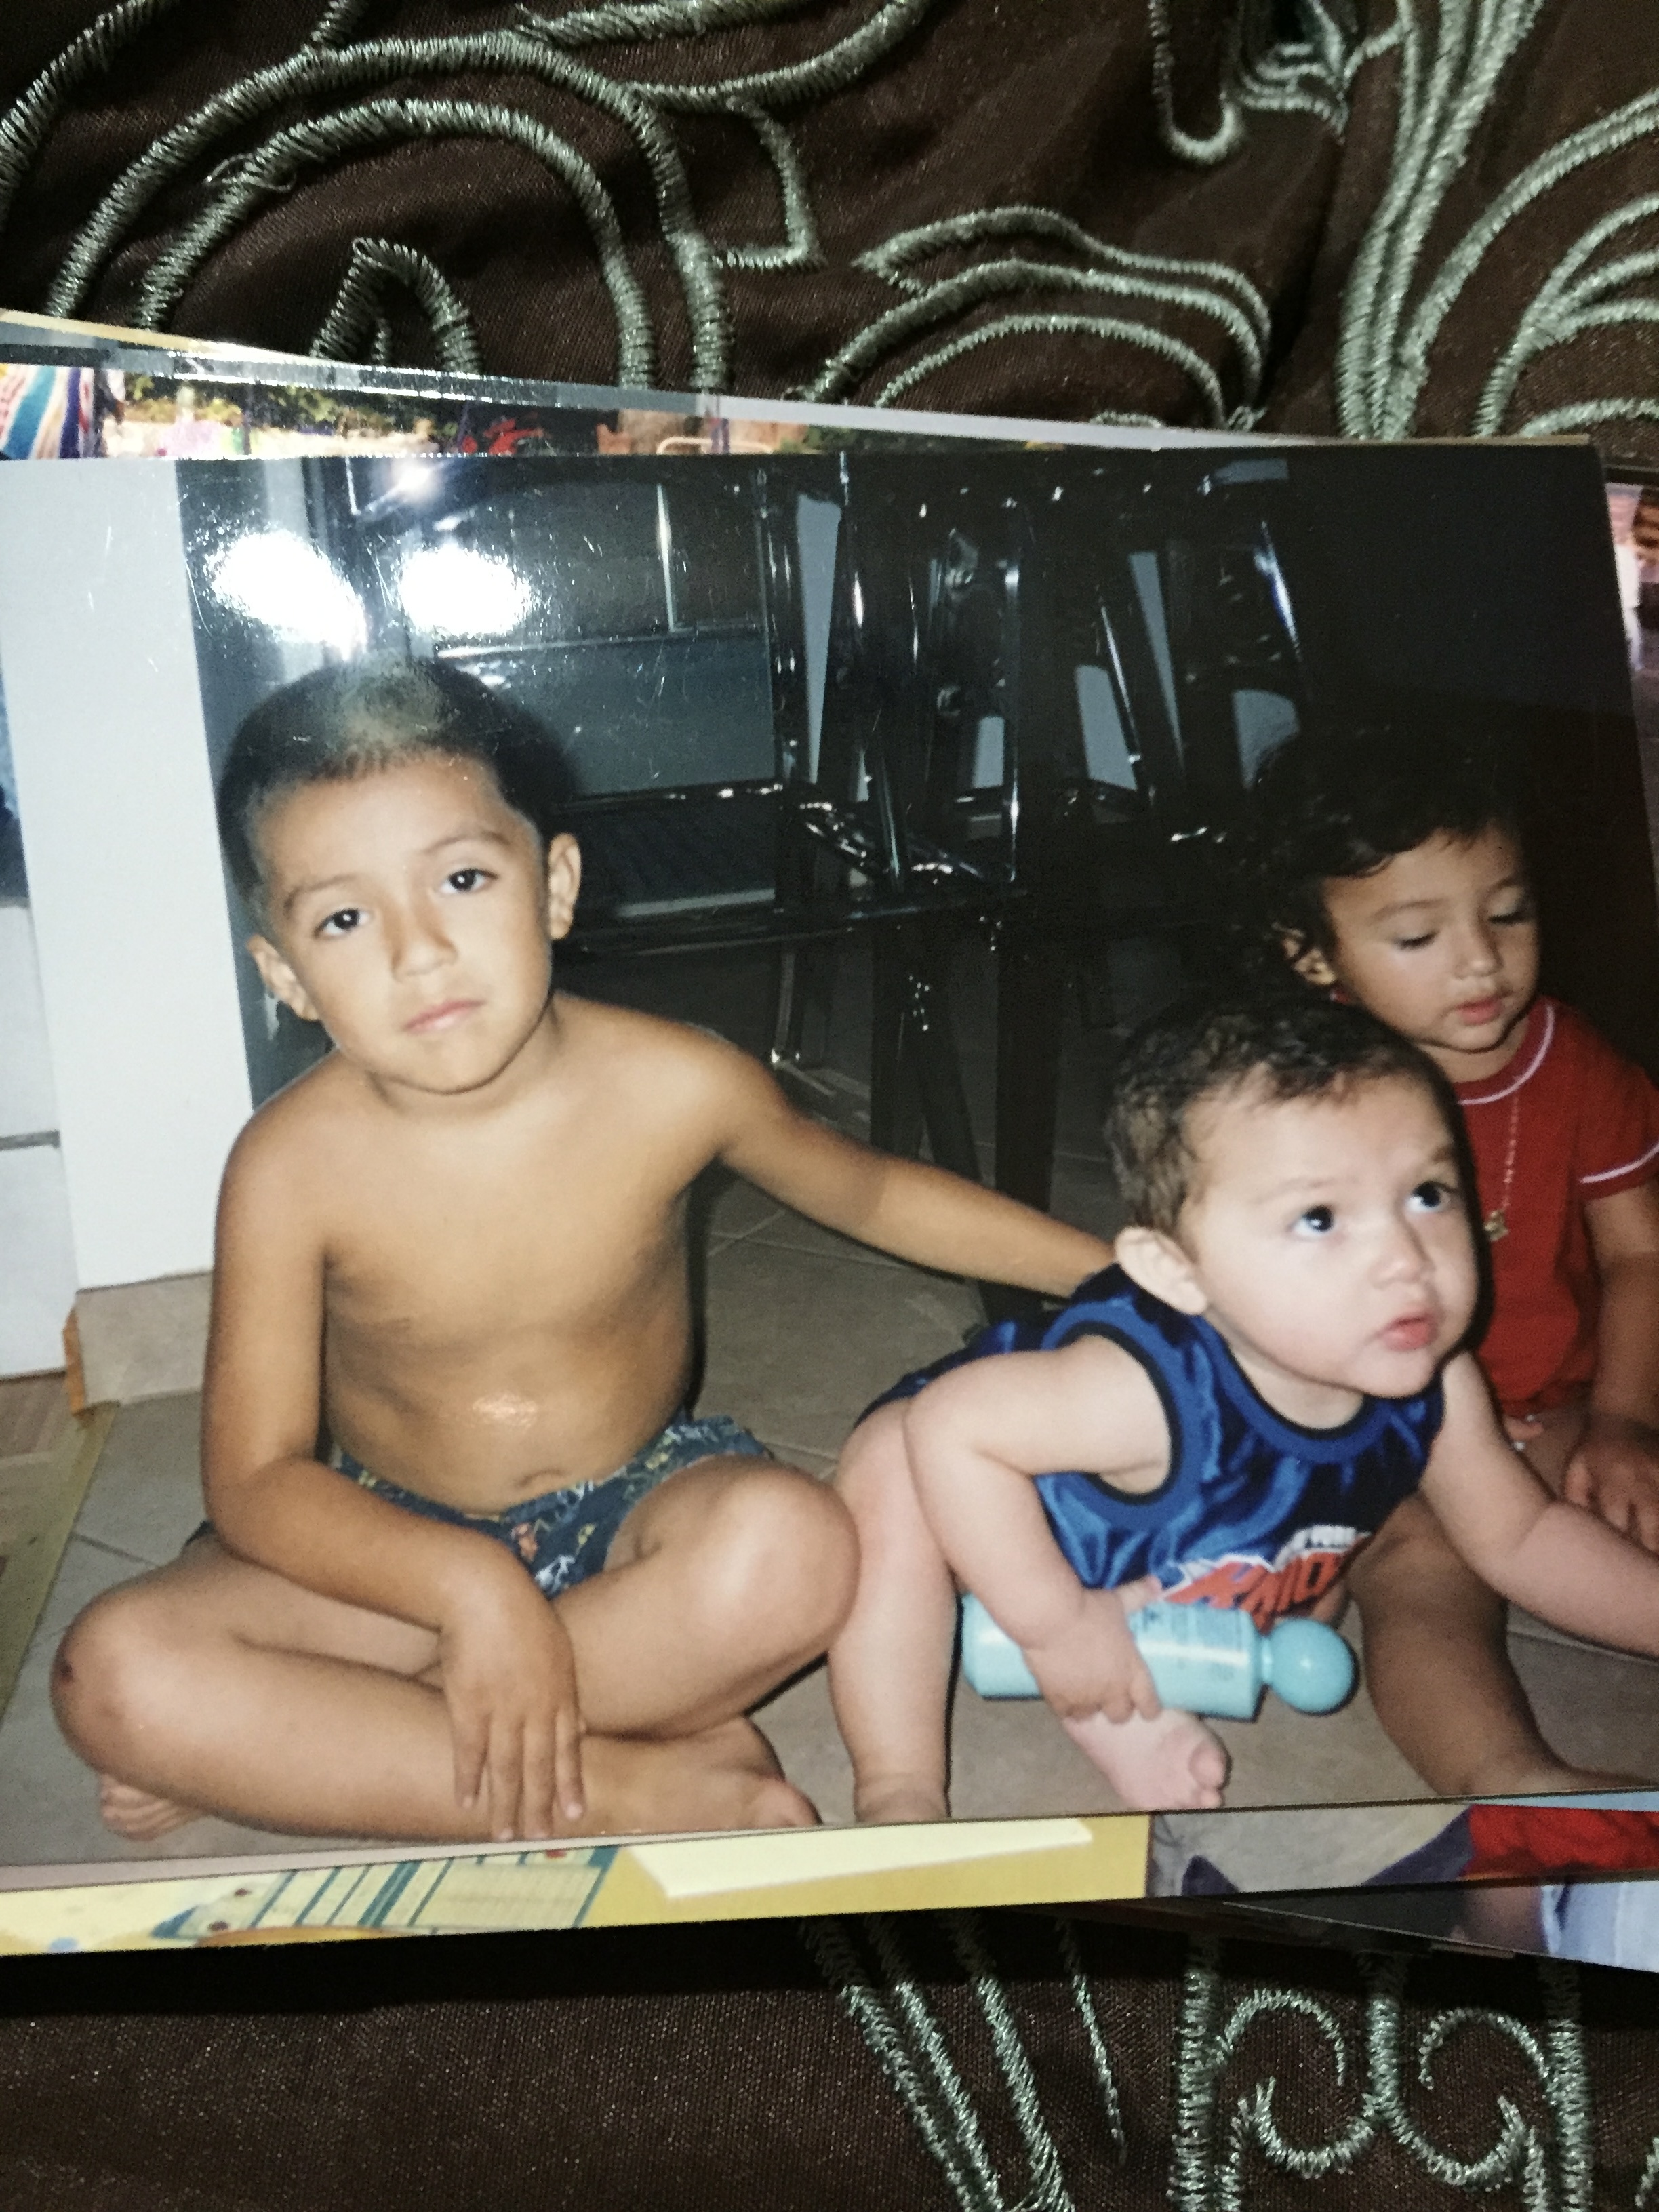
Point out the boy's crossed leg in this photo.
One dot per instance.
(217, 1684)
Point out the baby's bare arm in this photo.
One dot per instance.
(917, 1212)
(1556, 1560)
(509, 1677)
(976, 1438)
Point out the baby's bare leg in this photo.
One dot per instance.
(890, 1668)
(216, 1685)
(1172, 1765)
(1438, 1670)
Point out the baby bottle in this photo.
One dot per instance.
(1202, 1659)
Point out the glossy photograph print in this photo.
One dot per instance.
(867, 1137)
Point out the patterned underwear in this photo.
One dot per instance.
(565, 1536)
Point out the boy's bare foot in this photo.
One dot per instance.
(138, 1816)
(1174, 1764)
(898, 1797)
(726, 1777)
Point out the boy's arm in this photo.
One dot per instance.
(917, 1212)
(1556, 1560)
(977, 1437)
(508, 1677)
(1615, 1469)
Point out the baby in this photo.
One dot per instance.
(473, 1570)
(1271, 1369)
(1387, 866)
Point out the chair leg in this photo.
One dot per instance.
(932, 1038)
(895, 1109)
(1031, 1012)
(803, 995)
(786, 1011)
(950, 1131)
(915, 1076)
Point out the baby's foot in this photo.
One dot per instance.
(137, 1815)
(897, 1797)
(1174, 1764)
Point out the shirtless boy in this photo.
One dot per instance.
(1273, 1367)
(455, 1251)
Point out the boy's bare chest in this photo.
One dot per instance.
(441, 1252)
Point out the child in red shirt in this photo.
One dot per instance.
(1386, 864)
(1564, 1128)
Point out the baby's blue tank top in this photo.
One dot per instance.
(1255, 1512)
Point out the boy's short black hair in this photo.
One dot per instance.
(1345, 802)
(1275, 1045)
(355, 717)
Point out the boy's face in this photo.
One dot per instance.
(1327, 1240)
(1441, 943)
(411, 913)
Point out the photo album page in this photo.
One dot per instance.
(736, 1139)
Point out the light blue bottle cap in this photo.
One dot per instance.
(1309, 1665)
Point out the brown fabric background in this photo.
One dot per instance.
(698, 2070)
(986, 103)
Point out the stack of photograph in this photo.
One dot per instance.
(766, 1159)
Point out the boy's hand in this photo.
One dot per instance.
(1092, 1664)
(509, 1680)
(1614, 1473)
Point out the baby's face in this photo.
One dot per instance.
(1330, 1239)
(411, 913)
(1441, 944)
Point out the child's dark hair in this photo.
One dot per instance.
(1345, 803)
(1274, 1045)
(355, 717)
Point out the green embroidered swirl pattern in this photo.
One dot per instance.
(1212, 289)
(1005, 276)
(879, 1984)
(1448, 75)
(357, 317)
(329, 65)
(1382, 2073)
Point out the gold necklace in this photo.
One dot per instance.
(1496, 1223)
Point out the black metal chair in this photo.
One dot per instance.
(898, 831)
(1184, 606)
(866, 834)
(950, 790)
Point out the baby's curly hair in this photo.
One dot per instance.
(1271, 1046)
(1345, 802)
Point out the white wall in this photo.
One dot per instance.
(98, 665)
(26, 1104)
(37, 1276)
(37, 1282)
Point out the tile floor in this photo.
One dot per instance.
(803, 1329)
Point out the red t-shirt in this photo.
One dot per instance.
(1545, 1842)
(1567, 1122)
